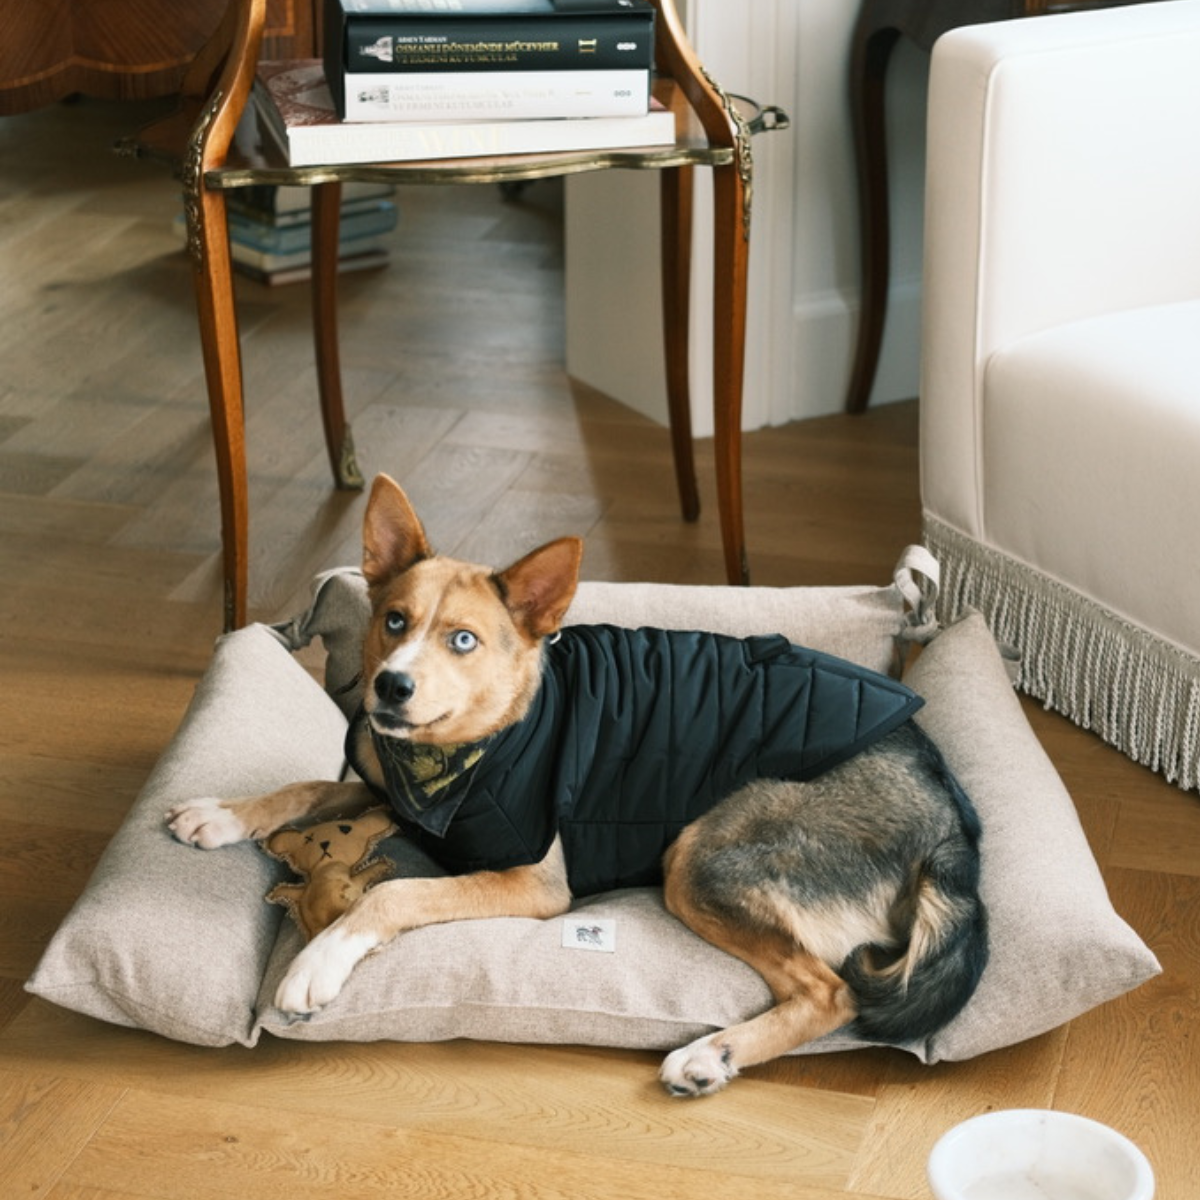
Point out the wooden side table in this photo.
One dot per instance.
(880, 25)
(214, 143)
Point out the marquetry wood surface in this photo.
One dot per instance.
(122, 49)
(455, 382)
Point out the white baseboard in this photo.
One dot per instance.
(802, 318)
(824, 333)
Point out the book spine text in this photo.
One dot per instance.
(513, 44)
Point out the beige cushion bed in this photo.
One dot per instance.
(181, 941)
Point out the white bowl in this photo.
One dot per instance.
(1034, 1154)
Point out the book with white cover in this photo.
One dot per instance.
(296, 107)
(495, 95)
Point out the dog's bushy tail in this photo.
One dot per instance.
(906, 994)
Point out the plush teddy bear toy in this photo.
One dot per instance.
(336, 862)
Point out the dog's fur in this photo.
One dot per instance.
(854, 895)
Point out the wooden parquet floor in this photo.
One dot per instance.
(108, 537)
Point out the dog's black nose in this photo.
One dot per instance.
(394, 687)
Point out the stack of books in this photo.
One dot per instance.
(270, 230)
(479, 60)
(406, 80)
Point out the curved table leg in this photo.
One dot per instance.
(731, 262)
(327, 206)
(880, 25)
(871, 50)
(676, 185)
(208, 241)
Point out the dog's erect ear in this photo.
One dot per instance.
(538, 590)
(393, 536)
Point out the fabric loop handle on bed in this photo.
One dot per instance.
(917, 577)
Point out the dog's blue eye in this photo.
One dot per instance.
(395, 623)
(463, 641)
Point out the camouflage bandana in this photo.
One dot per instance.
(420, 778)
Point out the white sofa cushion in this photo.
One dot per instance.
(1062, 184)
(1090, 453)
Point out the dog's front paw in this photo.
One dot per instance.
(207, 823)
(321, 969)
(698, 1069)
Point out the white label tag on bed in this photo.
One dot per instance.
(590, 933)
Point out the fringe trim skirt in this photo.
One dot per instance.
(1137, 691)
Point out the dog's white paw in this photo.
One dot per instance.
(698, 1069)
(207, 823)
(321, 969)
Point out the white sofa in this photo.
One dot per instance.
(1060, 393)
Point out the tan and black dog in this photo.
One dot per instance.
(794, 815)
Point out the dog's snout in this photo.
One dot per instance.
(394, 687)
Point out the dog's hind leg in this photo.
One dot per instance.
(811, 999)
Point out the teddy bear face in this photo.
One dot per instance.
(344, 841)
(336, 862)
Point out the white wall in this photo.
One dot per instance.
(804, 251)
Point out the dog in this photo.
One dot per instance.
(848, 878)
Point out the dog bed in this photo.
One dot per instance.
(181, 941)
